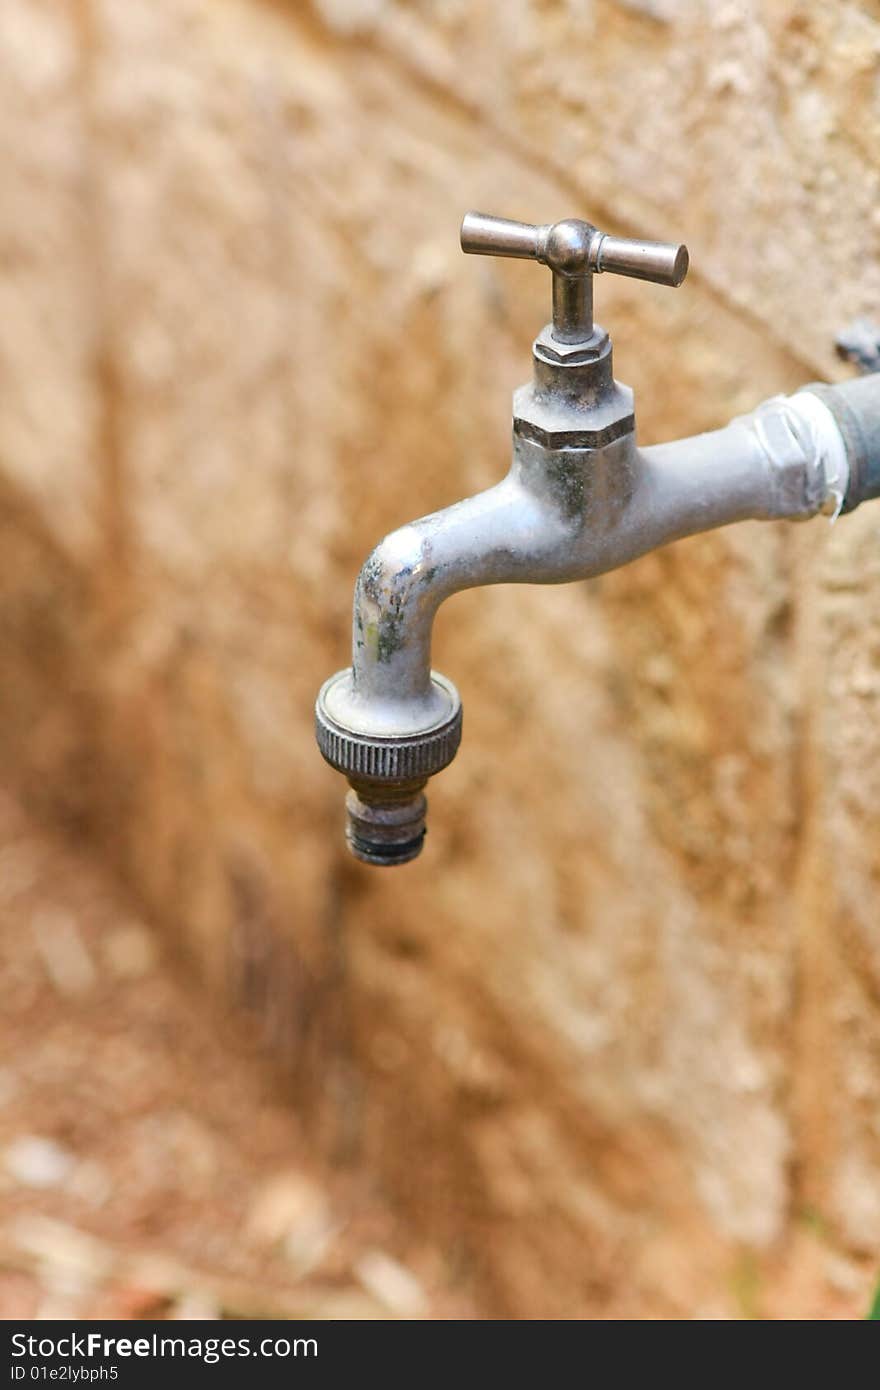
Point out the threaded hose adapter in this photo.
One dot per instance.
(386, 807)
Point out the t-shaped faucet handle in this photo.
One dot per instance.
(575, 251)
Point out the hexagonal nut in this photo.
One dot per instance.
(551, 350)
(560, 424)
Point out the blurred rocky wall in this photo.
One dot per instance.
(621, 1022)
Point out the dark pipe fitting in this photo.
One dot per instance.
(385, 823)
(855, 406)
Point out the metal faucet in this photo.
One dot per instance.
(581, 498)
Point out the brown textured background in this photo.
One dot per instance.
(614, 1041)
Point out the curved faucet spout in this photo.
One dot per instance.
(496, 537)
(564, 515)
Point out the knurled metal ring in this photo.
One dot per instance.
(387, 759)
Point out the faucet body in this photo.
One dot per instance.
(581, 498)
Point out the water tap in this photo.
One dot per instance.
(581, 498)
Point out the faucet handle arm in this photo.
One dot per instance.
(575, 251)
(484, 235)
(661, 262)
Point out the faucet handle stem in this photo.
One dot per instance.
(574, 251)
